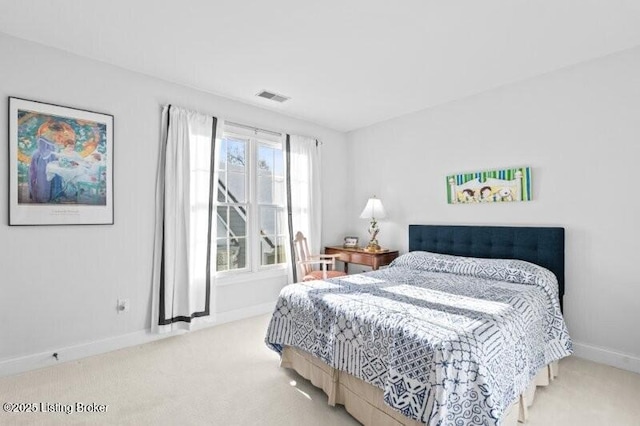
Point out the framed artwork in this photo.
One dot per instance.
(350, 242)
(60, 165)
(494, 186)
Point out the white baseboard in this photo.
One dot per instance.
(251, 311)
(75, 352)
(607, 356)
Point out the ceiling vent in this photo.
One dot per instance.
(272, 96)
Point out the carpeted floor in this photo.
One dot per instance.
(225, 375)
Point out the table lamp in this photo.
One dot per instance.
(374, 210)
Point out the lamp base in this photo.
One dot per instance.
(372, 247)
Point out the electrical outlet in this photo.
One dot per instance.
(123, 306)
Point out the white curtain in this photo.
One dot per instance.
(183, 251)
(304, 165)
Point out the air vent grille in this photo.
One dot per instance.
(272, 96)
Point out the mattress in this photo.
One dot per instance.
(366, 403)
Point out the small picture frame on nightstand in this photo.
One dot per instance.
(350, 242)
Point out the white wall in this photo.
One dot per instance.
(59, 285)
(579, 129)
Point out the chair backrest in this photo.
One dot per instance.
(302, 252)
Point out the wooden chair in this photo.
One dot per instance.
(306, 261)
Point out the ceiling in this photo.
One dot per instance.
(346, 64)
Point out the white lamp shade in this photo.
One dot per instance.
(373, 209)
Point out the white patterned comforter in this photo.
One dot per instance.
(450, 340)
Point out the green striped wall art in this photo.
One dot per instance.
(493, 186)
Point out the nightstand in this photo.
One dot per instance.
(361, 257)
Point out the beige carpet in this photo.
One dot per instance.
(226, 376)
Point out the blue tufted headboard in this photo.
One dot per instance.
(542, 246)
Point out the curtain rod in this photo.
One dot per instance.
(257, 129)
(244, 126)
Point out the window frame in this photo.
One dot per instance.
(253, 266)
(249, 208)
(259, 205)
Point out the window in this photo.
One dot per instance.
(233, 206)
(251, 216)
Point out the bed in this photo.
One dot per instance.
(460, 330)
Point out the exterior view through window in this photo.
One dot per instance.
(250, 206)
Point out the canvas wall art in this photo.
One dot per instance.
(61, 165)
(494, 186)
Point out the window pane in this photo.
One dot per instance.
(278, 163)
(237, 221)
(236, 154)
(222, 159)
(222, 255)
(267, 221)
(267, 250)
(238, 253)
(265, 190)
(279, 193)
(281, 221)
(272, 250)
(223, 221)
(281, 250)
(265, 160)
(235, 187)
(222, 187)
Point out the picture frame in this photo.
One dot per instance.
(60, 165)
(350, 242)
(492, 186)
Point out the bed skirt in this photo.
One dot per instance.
(365, 402)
